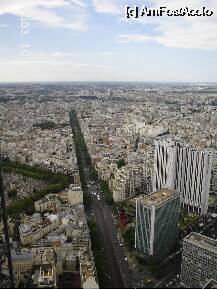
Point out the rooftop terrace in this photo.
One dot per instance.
(158, 197)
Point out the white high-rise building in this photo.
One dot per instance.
(178, 166)
(164, 165)
(213, 187)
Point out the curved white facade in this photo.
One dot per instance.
(180, 167)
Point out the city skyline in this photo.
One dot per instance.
(93, 41)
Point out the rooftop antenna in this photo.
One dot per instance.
(4, 218)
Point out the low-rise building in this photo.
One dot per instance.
(73, 195)
(22, 264)
(45, 277)
(29, 233)
(49, 203)
(88, 272)
(129, 181)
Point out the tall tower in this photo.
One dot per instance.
(164, 165)
(157, 217)
(179, 166)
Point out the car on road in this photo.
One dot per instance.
(147, 281)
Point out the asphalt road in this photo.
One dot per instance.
(118, 270)
(170, 280)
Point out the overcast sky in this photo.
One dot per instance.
(84, 40)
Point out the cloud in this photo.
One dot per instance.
(51, 66)
(177, 32)
(70, 14)
(4, 25)
(106, 6)
(51, 58)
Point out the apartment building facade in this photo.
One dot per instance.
(199, 261)
(180, 167)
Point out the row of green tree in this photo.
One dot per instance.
(129, 238)
(81, 153)
(34, 172)
(45, 125)
(100, 262)
(56, 183)
(107, 193)
(84, 161)
(26, 205)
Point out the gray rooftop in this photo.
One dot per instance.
(158, 197)
(202, 241)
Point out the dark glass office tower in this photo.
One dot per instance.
(157, 217)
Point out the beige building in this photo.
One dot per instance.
(130, 180)
(73, 195)
(45, 277)
(88, 272)
(22, 264)
(43, 255)
(49, 203)
(31, 233)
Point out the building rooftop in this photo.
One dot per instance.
(212, 284)
(24, 256)
(202, 241)
(158, 197)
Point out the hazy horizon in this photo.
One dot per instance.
(92, 40)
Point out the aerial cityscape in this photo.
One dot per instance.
(109, 185)
(108, 144)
